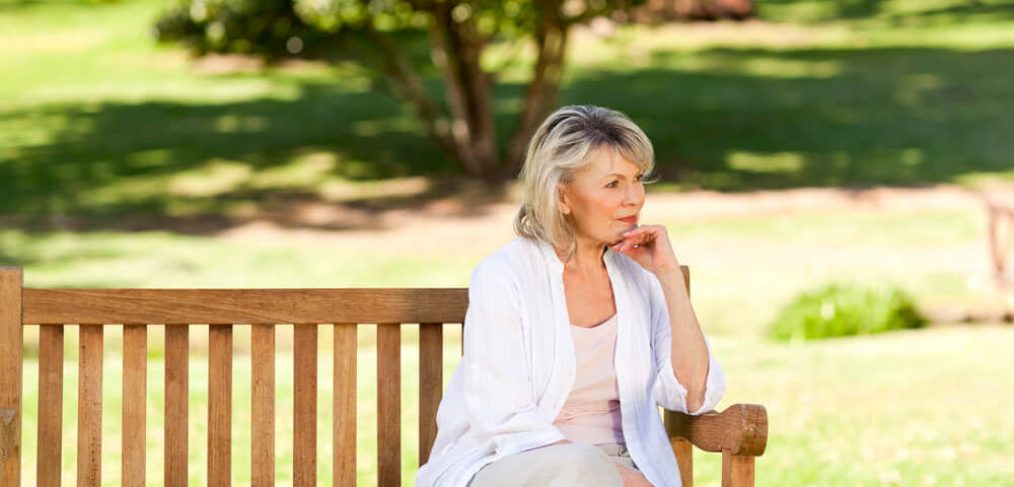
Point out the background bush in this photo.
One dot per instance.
(844, 310)
(267, 27)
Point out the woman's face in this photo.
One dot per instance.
(609, 189)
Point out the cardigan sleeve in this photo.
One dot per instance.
(667, 390)
(498, 393)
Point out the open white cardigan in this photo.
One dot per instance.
(518, 366)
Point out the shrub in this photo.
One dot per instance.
(844, 310)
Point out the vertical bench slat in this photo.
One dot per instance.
(89, 407)
(389, 404)
(263, 412)
(11, 355)
(684, 451)
(305, 418)
(135, 387)
(737, 470)
(344, 403)
(431, 375)
(48, 467)
(177, 357)
(220, 405)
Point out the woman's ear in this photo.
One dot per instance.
(562, 201)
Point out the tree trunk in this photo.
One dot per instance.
(457, 50)
(542, 90)
(467, 131)
(408, 84)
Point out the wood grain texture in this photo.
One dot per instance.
(50, 461)
(389, 406)
(135, 388)
(343, 305)
(220, 405)
(742, 429)
(431, 387)
(684, 452)
(263, 413)
(737, 470)
(344, 403)
(177, 357)
(11, 357)
(89, 407)
(304, 428)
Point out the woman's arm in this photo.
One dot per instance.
(689, 379)
(689, 351)
(669, 350)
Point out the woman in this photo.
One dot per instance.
(576, 330)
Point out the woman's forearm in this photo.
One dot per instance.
(689, 351)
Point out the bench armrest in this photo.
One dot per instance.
(742, 429)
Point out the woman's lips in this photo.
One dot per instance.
(630, 219)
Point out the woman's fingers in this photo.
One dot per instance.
(641, 230)
(641, 235)
(635, 240)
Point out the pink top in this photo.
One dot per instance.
(592, 411)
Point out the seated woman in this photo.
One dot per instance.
(576, 330)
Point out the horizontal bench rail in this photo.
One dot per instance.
(244, 306)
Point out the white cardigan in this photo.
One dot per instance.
(518, 366)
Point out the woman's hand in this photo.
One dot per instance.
(631, 477)
(649, 246)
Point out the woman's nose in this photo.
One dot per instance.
(633, 196)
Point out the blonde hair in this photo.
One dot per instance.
(561, 147)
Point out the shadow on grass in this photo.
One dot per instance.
(904, 12)
(742, 119)
(168, 164)
(725, 119)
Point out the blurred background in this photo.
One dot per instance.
(838, 175)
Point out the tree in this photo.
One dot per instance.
(458, 31)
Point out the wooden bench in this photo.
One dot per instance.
(739, 432)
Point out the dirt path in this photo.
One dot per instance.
(469, 210)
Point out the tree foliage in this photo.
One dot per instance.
(458, 33)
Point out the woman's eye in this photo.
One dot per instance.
(636, 178)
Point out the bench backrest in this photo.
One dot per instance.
(92, 310)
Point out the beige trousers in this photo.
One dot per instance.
(563, 465)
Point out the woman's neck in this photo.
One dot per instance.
(588, 257)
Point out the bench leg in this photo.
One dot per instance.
(11, 356)
(737, 470)
(684, 451)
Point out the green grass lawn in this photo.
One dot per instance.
(96, 121)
